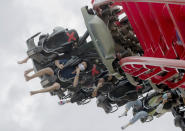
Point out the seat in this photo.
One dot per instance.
(60, 42)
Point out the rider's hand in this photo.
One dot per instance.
(100, 84)
(61, 66)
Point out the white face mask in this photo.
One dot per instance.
(81, 66)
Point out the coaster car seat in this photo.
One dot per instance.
(49, 47)
(104, 102)
(60, 41)
(123, 93)
(82, 95)
(152, 101)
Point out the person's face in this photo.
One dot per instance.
(84, 64)
(169, 95)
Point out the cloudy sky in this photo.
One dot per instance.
(19, 19)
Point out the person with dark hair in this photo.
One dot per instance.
(102, 83)
(83, 91)
(140, 112)
(169, 99)
(64, 73)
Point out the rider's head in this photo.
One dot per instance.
(83, 66)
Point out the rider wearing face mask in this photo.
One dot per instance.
(66, 71)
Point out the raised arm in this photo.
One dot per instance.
(100, 85)
(76, 79)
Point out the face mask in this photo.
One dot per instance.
(165, 96)
(81, 66)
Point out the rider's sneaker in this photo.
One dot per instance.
(122, 128)
(61, 102)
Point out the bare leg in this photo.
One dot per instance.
(28, 71)
(42, 72)
(55, 86)
(23, 61)
(183, 100)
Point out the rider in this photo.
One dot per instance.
(104, 80)
(103, 85)
(169, 99)
(139, 112)
(84, 89)
(69, 72)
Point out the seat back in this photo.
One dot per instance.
(61, 40)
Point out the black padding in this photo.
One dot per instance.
(60, 39)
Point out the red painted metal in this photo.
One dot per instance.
(160, 27)
(160, 70)
(71, 36)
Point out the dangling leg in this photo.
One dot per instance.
(137, 116)
(42, 72)
(28, 71)
(23, 61)
(55, 86)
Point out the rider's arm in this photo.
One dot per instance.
(58, 64)
(76, 79)
(137, 116)
(99, 85)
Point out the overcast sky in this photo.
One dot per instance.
(20, 19)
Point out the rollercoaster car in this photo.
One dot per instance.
(62, 43)
(141, 42)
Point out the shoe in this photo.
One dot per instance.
(122, 128)
(61, 102)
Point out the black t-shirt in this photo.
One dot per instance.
(108, 85)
